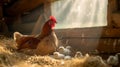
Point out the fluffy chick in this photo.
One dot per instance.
(57, 55)
(112, 60)
(65, 51)
(78, 54)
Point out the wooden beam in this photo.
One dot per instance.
(116, 19)
(6, 1)
(95, 32)
(22, 6)
(1, 12)
(111, 8)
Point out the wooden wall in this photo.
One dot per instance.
(32, 27)
(104, 39)
(3, 25)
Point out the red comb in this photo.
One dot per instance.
(52, 18)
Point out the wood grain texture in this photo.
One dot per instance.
(23, 6)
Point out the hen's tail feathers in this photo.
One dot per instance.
(17, 35)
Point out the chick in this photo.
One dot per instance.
(57, 55)
(112, 60)
(78, 54)
(65, 51)
(118, 55)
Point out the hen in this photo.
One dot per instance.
(44, 43)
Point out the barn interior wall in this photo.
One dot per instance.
(108, 40)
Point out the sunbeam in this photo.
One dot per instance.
(80, 13)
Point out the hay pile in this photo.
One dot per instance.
(9, 57)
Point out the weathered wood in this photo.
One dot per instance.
(23, 28)
(42, 18)
(116, 19)
(107, 45)
(112, 7)
(3, 27)
(1, 12)
(18, 19)
(4, 1)
(22, 6)
(94, 32)
(105, 40)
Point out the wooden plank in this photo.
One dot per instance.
(116, 19)
(90, 45)
(112, 7)
(24, 28)
(105, 40)
(94, 32)
(6, 1)
(1, 12)
(107, 45)
(22, 6)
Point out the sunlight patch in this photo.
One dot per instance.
(80, 13)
